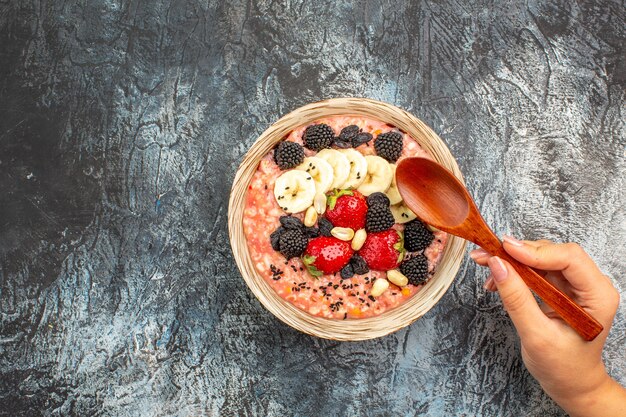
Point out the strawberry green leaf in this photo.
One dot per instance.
(308, 261)
(399, 246)
(401, 255)
(314, 271)
(331, 200)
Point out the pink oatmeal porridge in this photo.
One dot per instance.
(285, 258)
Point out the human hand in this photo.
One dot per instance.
(568, 368)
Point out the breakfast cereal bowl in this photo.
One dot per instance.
(319, 232)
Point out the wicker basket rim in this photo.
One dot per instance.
(356, 329)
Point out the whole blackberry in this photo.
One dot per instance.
(359, 266)
(292, 243)
(347, 272)
(389, 146)
(417, 237)
(378, 198)
(318, 137)
(325, 226)
(361, 138)
(288, 155)
(415, 269)
(378, 218)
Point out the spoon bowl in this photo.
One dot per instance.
(451, 210)
(438, 198)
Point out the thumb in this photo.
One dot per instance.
(517, 299)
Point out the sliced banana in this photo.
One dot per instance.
(294, 191)
(320, 170)
(340, 164)
(392, 193)
(401, 213)
(358, 168)
(378, 178)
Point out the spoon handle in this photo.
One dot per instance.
(586, 326)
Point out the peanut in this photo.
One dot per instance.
(319, 202)
(397, 277)
(310, 217)
(342, 233)
(379, 287)
(359, 239)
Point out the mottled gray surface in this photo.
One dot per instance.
(115, 302)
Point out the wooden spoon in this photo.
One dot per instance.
(438, 198)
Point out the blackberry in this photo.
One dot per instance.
(361, 138)
(378, 198)
(325, 226)
(378, 218)
(347, 272)
(359, 266)
(415, 269)
(292, 243)
(417, 237)
(288, 155)
(389, 146)
(291, 223)
(318, 137)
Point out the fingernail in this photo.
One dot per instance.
(477, 253)
(512, 240)
(498, 269)
(488, 282)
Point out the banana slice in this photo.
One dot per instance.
(401, 213)
(378, 178)
(358, 168)
(294, 191)
(392, 193)
(340, 164)
(320, 170)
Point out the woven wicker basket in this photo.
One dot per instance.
(356, 329)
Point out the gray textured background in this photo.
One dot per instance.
(117, 302)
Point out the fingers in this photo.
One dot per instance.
(518, 300)
(490, 285)
(569, 258)
(480, 256)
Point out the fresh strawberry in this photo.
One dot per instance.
(347, 208)
(383, 250)
(326, 255)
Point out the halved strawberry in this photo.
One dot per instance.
(347, 208)
(326, 255)
(383, 250)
